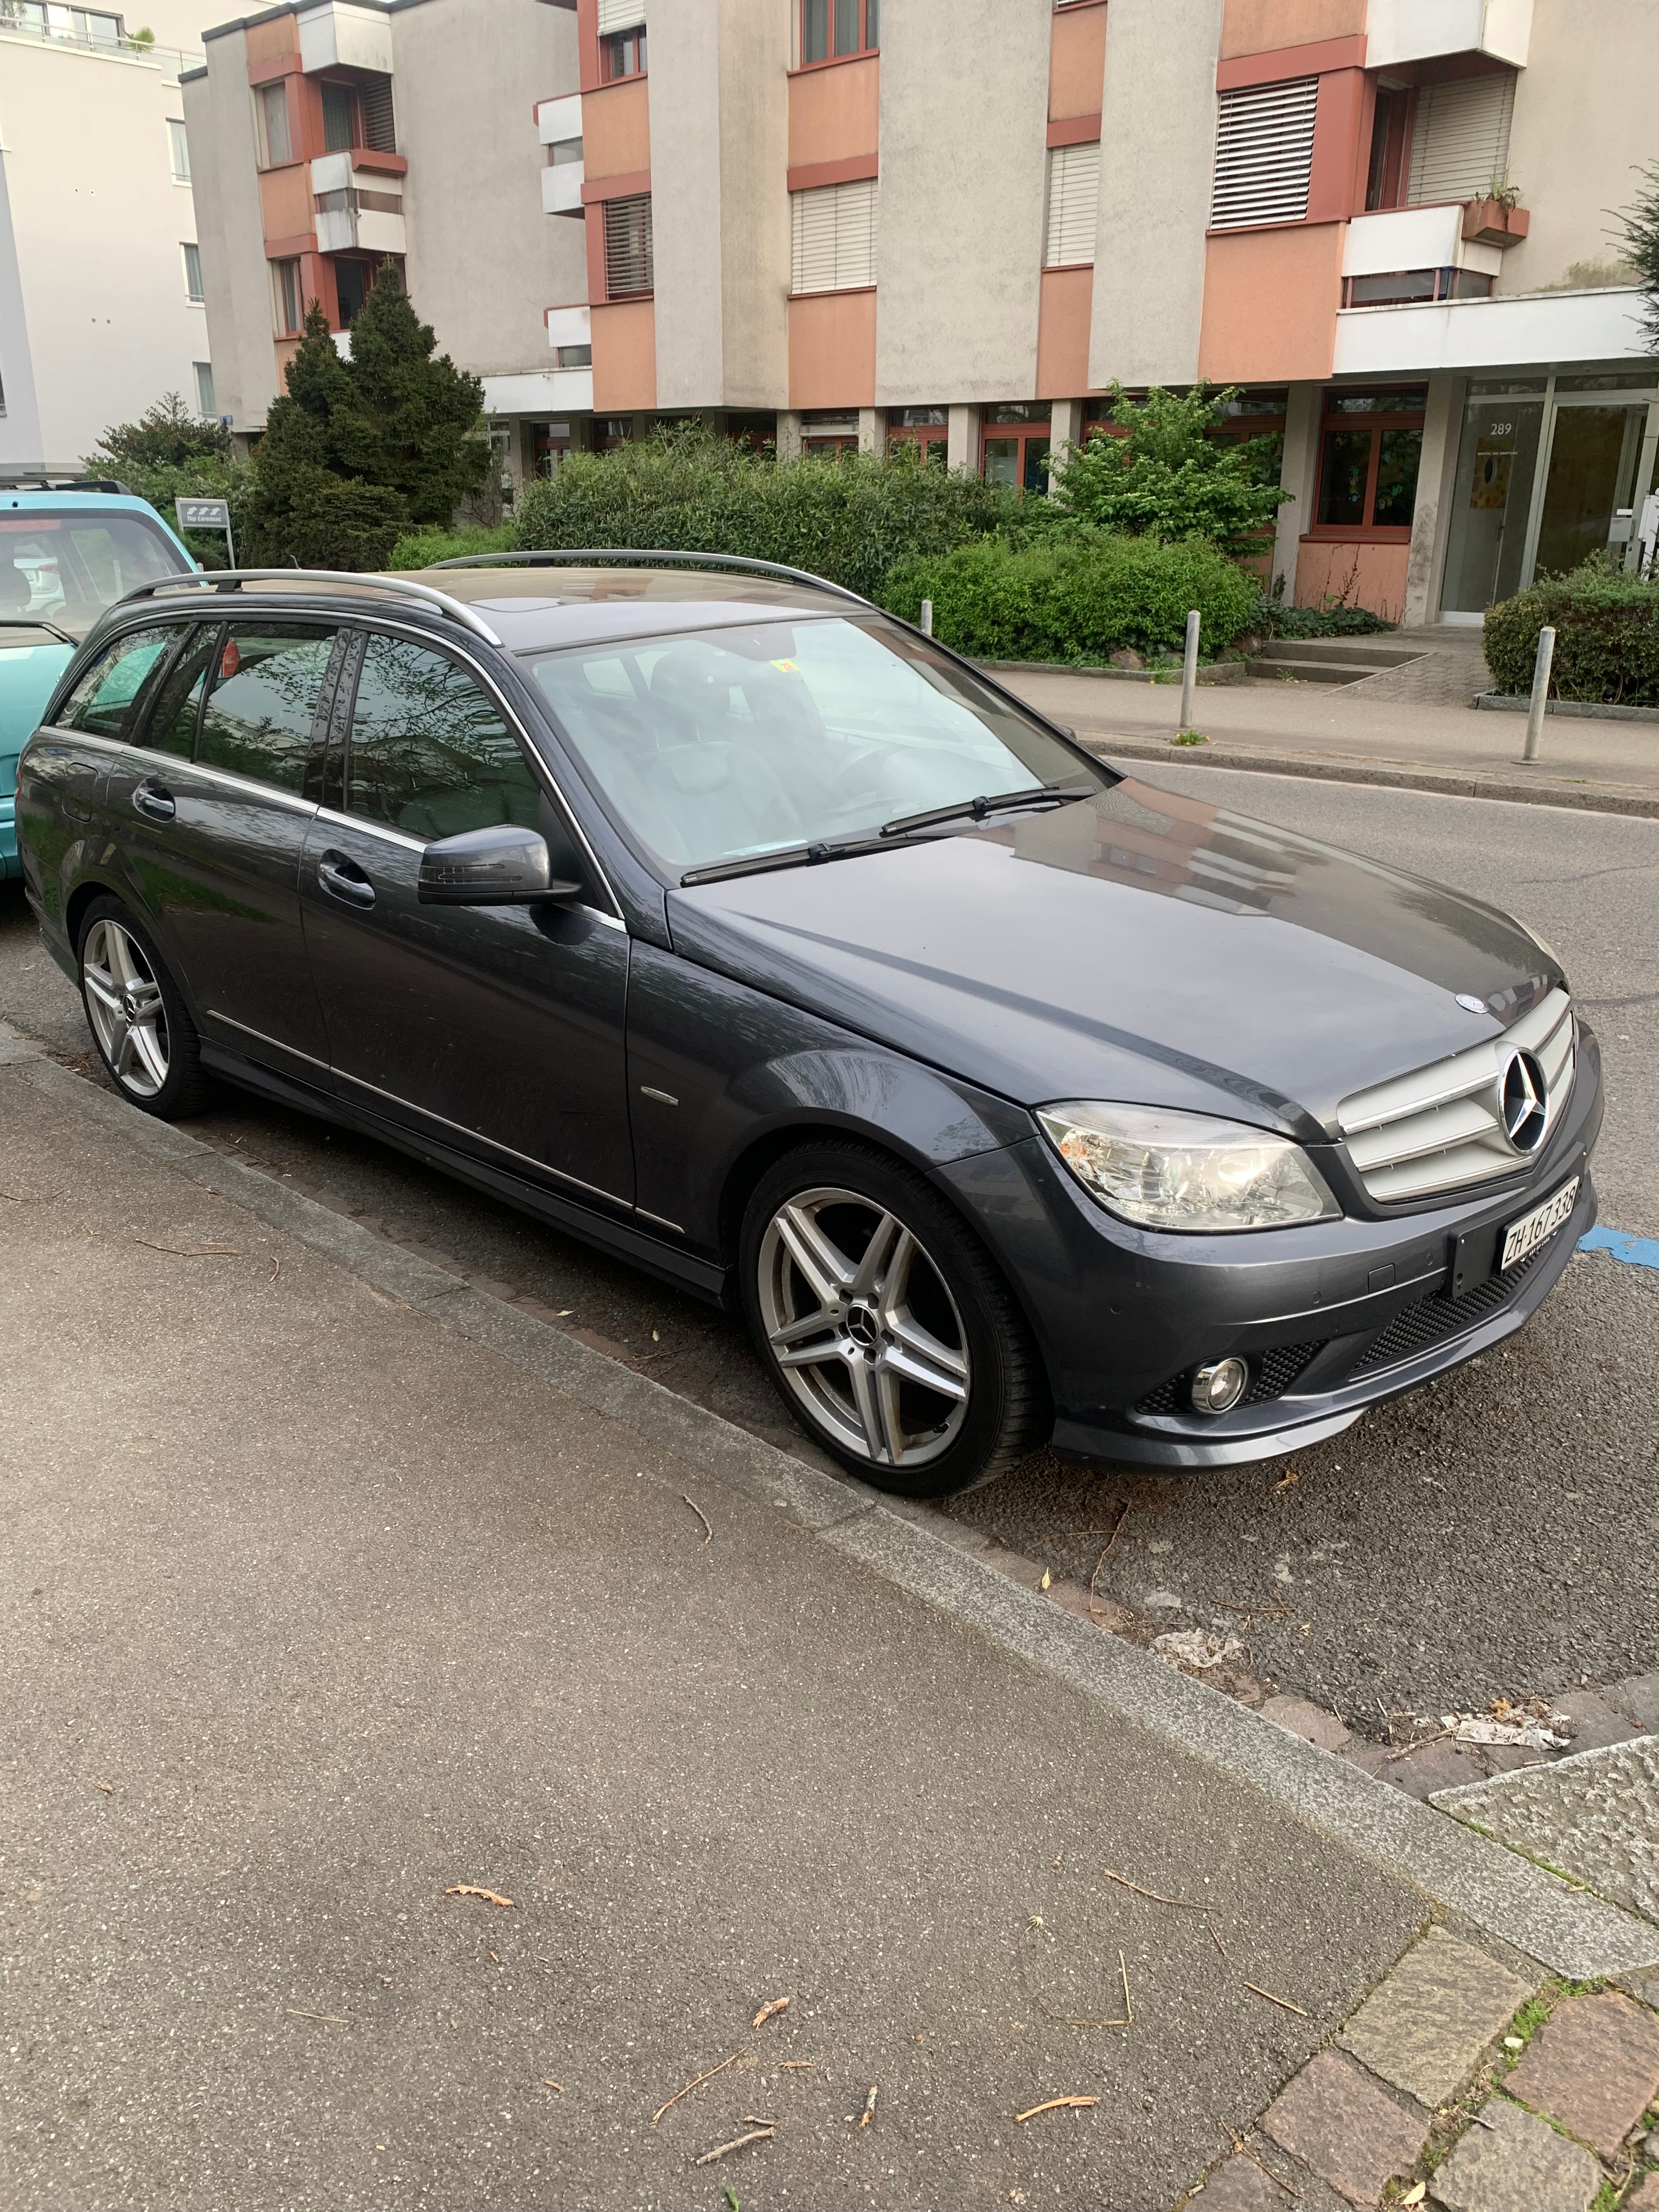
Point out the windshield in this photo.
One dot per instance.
(67, 569)
(721, 744)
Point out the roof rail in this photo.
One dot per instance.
(642, 556)
(34, 476)
(231, 579)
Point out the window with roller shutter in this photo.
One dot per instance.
(1460, 138)
(628, 260)
(1264, 154)
(1073, 195)
(621, 15)
(832, 243)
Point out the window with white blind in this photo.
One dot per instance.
(1264, 154)
(1073, 195)
(627, 267)
(832, 237)
(1460, 138)
(620, 16)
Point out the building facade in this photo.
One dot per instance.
(102, 306)
(843, 222)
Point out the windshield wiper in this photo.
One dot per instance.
(785, 856)
(1050, 795)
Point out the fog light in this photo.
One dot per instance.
(1217, 1388)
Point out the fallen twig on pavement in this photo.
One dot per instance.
(721, 2150)
(1244, 2151)
(1054, 2105)
(333, 2019)
(471, 1889)
(1068, 2019)
(697, 2084)
(109, 1789)
(548, 2083)
(767, 2011)
(1217, 1941)
(869, 2111)
(796, 2065)
(1181, 1904)
(276, 1269)
(1117, 1530)
(1284, 2002)
(202, 1252)
(708, 1531)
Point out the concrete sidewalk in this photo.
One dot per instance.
(1354, 734)
(322, 1600)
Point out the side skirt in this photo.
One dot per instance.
(703, 1278)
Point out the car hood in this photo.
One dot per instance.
(1141, 944)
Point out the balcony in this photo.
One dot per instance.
(338, 36)
(1400, 32)
(559, 127)
(1398, 239)
(360, 205)
(570, 338)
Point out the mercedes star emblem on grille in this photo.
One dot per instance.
(1523, 1102)
(1470, 1004)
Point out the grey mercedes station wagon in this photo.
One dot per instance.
(716, 917)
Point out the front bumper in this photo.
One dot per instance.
(1331, 1318)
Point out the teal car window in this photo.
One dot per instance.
(102, 701)
(430, 753)
(262, 705)
(70, 568)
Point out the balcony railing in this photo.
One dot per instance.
(84, 32)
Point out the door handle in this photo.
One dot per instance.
(157, 802)
(343, 878)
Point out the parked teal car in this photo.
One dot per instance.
(65, 555)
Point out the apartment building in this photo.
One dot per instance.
(103, 308)
(845, 223)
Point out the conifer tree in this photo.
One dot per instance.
(415, 422)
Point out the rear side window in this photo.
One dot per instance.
(102, 701)
(431, 754)
(177, 708)
(260, 717)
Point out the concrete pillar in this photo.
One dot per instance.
(1299, 474)
(870, 429)
(1437, 473)
(962, 451)
(1065, 428)
(788, 433)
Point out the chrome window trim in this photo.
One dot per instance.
(388, 624)
(271, 793)
(542, 1167)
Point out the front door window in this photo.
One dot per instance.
(1496, 466)
(1592, 473)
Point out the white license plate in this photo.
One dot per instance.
(1536, 1228)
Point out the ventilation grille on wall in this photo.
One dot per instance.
(620, 16)
(627, 264)
(1459, 138)
(1264, 154)
(1073, 195)
(832, 243)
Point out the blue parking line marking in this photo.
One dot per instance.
(1638, 1251)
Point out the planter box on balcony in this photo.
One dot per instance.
(1489, 222)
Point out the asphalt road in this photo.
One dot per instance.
(1481, 1537)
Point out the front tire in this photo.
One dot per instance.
(137, 1015)
(886, 1328)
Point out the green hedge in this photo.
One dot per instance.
(848, 519)
(1077, 602)
(420, 548)
(1606, 636)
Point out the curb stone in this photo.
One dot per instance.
(1567, 1931)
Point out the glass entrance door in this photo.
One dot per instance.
(1589, 487)
(1497, 463)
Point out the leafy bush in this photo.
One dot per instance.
(420, 548)
(1273, 618)
(1075, 601)
(1606, 636)
(1162, 475)
(170, 453)
(848, 519)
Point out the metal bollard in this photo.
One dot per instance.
(1189, 670)
(1541, 692)
(927, 618)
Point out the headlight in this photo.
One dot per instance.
(1170, 1171)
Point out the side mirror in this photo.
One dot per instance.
(502, 865)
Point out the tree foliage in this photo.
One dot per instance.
(1640, 232)
(171, 452)
(1162, 474)
(849, 519)
(357, 450)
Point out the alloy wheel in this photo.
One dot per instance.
(863, 1326)
(124, 1002)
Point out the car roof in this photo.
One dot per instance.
(77, 502)
(540, 609)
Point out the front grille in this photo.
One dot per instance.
(1437, 1319)
(1273, 1373)
(1441, 1127)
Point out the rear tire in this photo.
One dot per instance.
(887, 1329)
(137, 1014)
